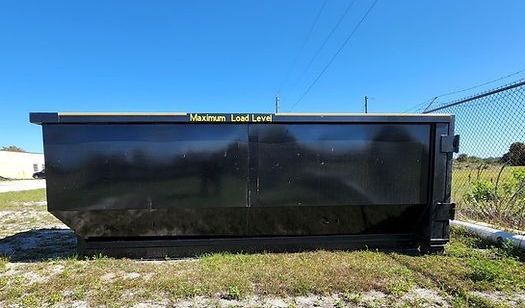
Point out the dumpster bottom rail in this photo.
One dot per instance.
(152, 248)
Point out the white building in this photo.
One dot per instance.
(20, 165)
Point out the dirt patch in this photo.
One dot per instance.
(506, 299)
(152, 304)
(31, 278)
(33, 203)
(76, 304)
(27, 218)
(426, 297)
(421, 297)
(108, 277)
(132, 275)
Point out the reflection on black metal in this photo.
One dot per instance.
(150, 185)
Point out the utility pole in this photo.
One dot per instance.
(277, 103)
(366, 104)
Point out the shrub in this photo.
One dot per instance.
(500, 200)
(481, 191)
(233, 292)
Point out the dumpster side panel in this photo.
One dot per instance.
(341, 164)
(139, 166)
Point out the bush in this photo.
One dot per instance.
(498, 201)
(481, 191)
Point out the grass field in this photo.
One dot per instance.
(500, 197)
(39, 267)
(14, 200)
(464, 175)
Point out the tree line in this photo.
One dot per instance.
(12, 148)
(514, 157)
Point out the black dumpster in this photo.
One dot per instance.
(177, 184)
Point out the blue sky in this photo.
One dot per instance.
(223, 56)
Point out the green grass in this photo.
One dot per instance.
(463, 175)
(469, 264)
(12, 200)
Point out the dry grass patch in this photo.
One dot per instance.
(102, 281)
(318, 272)
(3, 263)
(469, 266)
(14, 199)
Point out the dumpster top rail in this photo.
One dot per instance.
(240, 118)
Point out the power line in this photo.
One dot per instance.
(305, 41)
(482, 84)
(318, 51)
(462, 90)
(335, 55)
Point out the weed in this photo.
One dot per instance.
(292, 305)
(29, 301)
(79, 293)
(399, 287)
(233, 292)
(352, 298)
(55, 298)
(99, 257)
(3, 282)
(3, 263)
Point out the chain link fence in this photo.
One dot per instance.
(488, 181)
